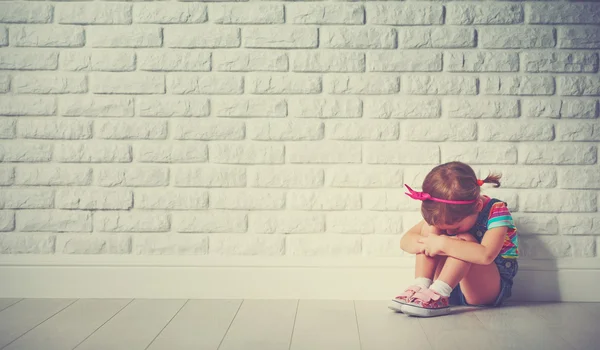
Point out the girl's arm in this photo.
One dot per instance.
(473, 252)
(410, 241)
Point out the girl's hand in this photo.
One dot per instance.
(432, 245)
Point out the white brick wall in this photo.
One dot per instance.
(289, 128)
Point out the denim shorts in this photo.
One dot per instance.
(508, 269)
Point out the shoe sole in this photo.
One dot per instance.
(423, 312)
(396, 306)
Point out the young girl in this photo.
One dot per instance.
(467, 243)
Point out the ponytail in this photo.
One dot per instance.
(492, 179)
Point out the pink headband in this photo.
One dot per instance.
(422, 196)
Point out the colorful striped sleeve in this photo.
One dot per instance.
(500, 216)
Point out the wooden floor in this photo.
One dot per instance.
(84, 324)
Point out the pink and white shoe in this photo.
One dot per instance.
(427, 303)
(404, 298)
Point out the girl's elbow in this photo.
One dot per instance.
(487, 259)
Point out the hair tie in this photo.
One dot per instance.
(480, 182)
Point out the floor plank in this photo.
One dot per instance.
(70, 326)
(509, 317)
(200, 324)
(325, 325)
(134, 327)
(5, 303)
(261, 325)
(382, 329)
(25, 315)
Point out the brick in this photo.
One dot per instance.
(8, 128)
(435, 37)
(364, 223)
(176, 152)
(285, 177)
(164, 13)
(362, 84)
(201, 36)
(402, 153)
(210, 129)
(536, 224)
(41, 83)
(249, 61)
(260, 245)
(516, 38)
(54, 221)
(172, 106)
(93, 244)
(214, 221)
(92, 152)
(280, 37)
(174, 60)
(577, 224)
(19, 198)
(323, 200)
(28, 59)
(97, 106)
(120, 129)
(387, 199)
(3, 36)
(7, 221)
(579, 86)
(579, 131)
(4, 83)
(314, 13)
(283, 84)
(434, 130)
(579, 178)
(328, 61)
(357, 38)
(93, 198)
(47, 36)
(369, 177)
(248, 199)
(325, 107)
(509, 196)
(93, 13)
(439, 85)
(564, 154)
(244, 153)
(51, 175)
(27, 243)
(134, 221)
(25, 12)
(247, 14)
(172, 199)
(324, 152)
(552, 108)
(7, 176)
(404, 14)
(285, 130)
(124, 36)
(127, 83)
(170, 245)
(517, 85)
(51, 128)
(487, 107)
(104, 60)
(528, 177)
(559, 201)
(557, 13)
(479, 154)
(205, 84)
(138, 176)
(560, 62)
(286, 223)
(363, 130)
(493, 13)
(481, 61)
(515, 131)
(393, 107)
(382, 246)
(25, 151)
(549, 247)
(249, 107)
(323, 245)
(404, 61)
(210, 176)
(579, 37)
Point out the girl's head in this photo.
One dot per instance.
(453, 181)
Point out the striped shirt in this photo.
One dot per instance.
(500, 216)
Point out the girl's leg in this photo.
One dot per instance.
(426, 266)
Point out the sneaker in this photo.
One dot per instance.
(404, 298)
(427, 303)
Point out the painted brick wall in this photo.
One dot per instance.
(289, 128)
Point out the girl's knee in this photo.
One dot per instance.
(466, 237)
